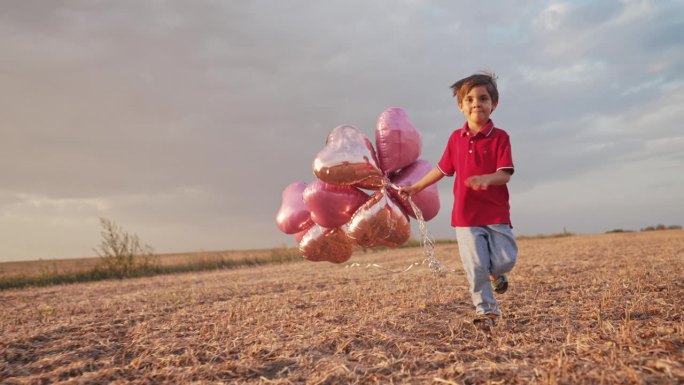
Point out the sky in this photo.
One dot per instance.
(183, 121)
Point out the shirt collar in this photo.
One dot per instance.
(485, 131)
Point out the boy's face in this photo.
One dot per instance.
(477, 105)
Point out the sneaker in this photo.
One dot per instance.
(485, 322)
(500, 284)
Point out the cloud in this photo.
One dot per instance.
(32, 207)
(551, 18)
(582, 72)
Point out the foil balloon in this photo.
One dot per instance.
(300, 235)
(332, 205)
(397, 140)
(293, 215)
(321, 244)
(348, 158)
(379, 222)
(332, 215)
(426, 200)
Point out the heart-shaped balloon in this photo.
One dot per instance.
(332, 205)
(321, 244)
(379, 222)
(426, 200)
(300, 235)
(293, 215)
(397, 140)
(348, 158)
(329, 216)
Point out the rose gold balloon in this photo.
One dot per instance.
(321, 244)
(293, 215)
(426, 200)
(348, 158)
(379, 222)
(332, 205)
(300, 235)
(397, 140)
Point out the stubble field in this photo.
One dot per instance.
(593, 309)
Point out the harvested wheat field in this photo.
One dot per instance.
(592, 309)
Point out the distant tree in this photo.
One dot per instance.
(618, 231)
(661, 227)
(121, 253)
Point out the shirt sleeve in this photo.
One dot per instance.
(504, 158)
(446, 164)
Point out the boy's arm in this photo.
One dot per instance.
(482, 182)
(431, 177)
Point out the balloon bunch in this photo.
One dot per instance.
(333, 214)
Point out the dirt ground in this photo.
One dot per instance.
(591, 309)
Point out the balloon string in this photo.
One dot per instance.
(377, 266)
(426, 241)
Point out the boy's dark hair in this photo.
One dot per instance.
(487, 79)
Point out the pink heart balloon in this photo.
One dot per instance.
(293, 215)
(379, 222)
(321, 244)
(426, 200)
(397, 140)
(348, 158)
(332, 205)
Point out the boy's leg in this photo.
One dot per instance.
(503, 251)
(473, 246)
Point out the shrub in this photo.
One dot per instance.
(661, 227)
(122, 254)
(618, 231)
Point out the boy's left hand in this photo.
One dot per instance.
(478, 182)
(482, 182)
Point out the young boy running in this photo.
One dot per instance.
(479, 156)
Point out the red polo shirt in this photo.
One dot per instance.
(483, 153)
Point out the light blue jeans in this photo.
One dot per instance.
(484, 250)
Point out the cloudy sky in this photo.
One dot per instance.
(182, 121)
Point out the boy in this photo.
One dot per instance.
(479, 155)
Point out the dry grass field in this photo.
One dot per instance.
(592, 309)
(74, 265)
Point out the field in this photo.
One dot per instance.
(8, 270)
(590, 309)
